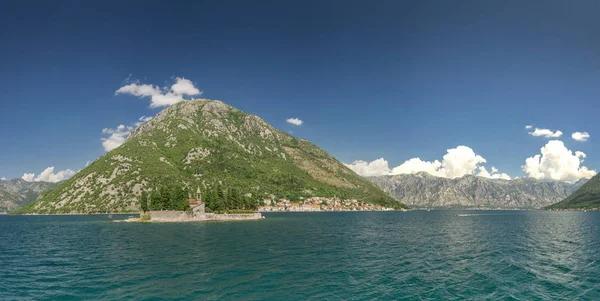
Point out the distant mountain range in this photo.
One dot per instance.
(17, 193)
(586, 197)
(423, 190)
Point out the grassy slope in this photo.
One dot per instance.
(150, 159)
(586, 197)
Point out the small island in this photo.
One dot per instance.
(170, 205)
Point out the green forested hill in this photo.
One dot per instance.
(586, 197)
(205, 143)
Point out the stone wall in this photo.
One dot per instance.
(170, 216)
(232, 217)
(181, 216)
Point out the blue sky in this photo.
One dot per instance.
(392, 79)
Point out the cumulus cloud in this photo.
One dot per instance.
(377, 167)
(184, 86)
(457, 162)
(580, 136)
(295, 121)
(3, 179)
(162, 97)
(547, 133)
(29, 177)
(138, 90)
(117, 136)
(415, 165)
(529, 126)
(48, 175)
(494, 175)
(556, 162)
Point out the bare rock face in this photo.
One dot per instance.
(423, 190)
(17, 193)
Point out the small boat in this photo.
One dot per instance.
(110, 216)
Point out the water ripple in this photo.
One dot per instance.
(437, 255)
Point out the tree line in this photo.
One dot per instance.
(165, 198)
(218, 199)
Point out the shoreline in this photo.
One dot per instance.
(171, 216)
(323, 211)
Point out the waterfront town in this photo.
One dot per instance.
(319, 204)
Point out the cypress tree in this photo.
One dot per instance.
(221, 200)
(182, 199)
(153, 201)
(164, 198)
(144, 201)
(174, 203)
(209, 199)
(233, 200)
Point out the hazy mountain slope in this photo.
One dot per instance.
(426, 191)
(201, 143)
(17, 193)
(586, 197)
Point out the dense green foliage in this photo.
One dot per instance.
(586, 197)
(169, 197)
(221, 200)
(208, 144)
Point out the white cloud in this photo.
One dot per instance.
(3, 179)
(415, 165)
(48, 175)
(28, 177)
(117, 136)
(556, 162)
(162, 97)
(494, 175)
(457, 162)
(138, 90)
(529, 126)
(546, 133)
(580, 136)
(184, 86)
(165, 100)
(377, 167)
(295, 121)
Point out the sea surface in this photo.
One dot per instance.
(416, 255)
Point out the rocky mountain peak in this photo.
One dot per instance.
(208, 143)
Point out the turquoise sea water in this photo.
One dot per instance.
(418, 255)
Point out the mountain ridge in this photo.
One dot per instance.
(423, 190)
(17, 193)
